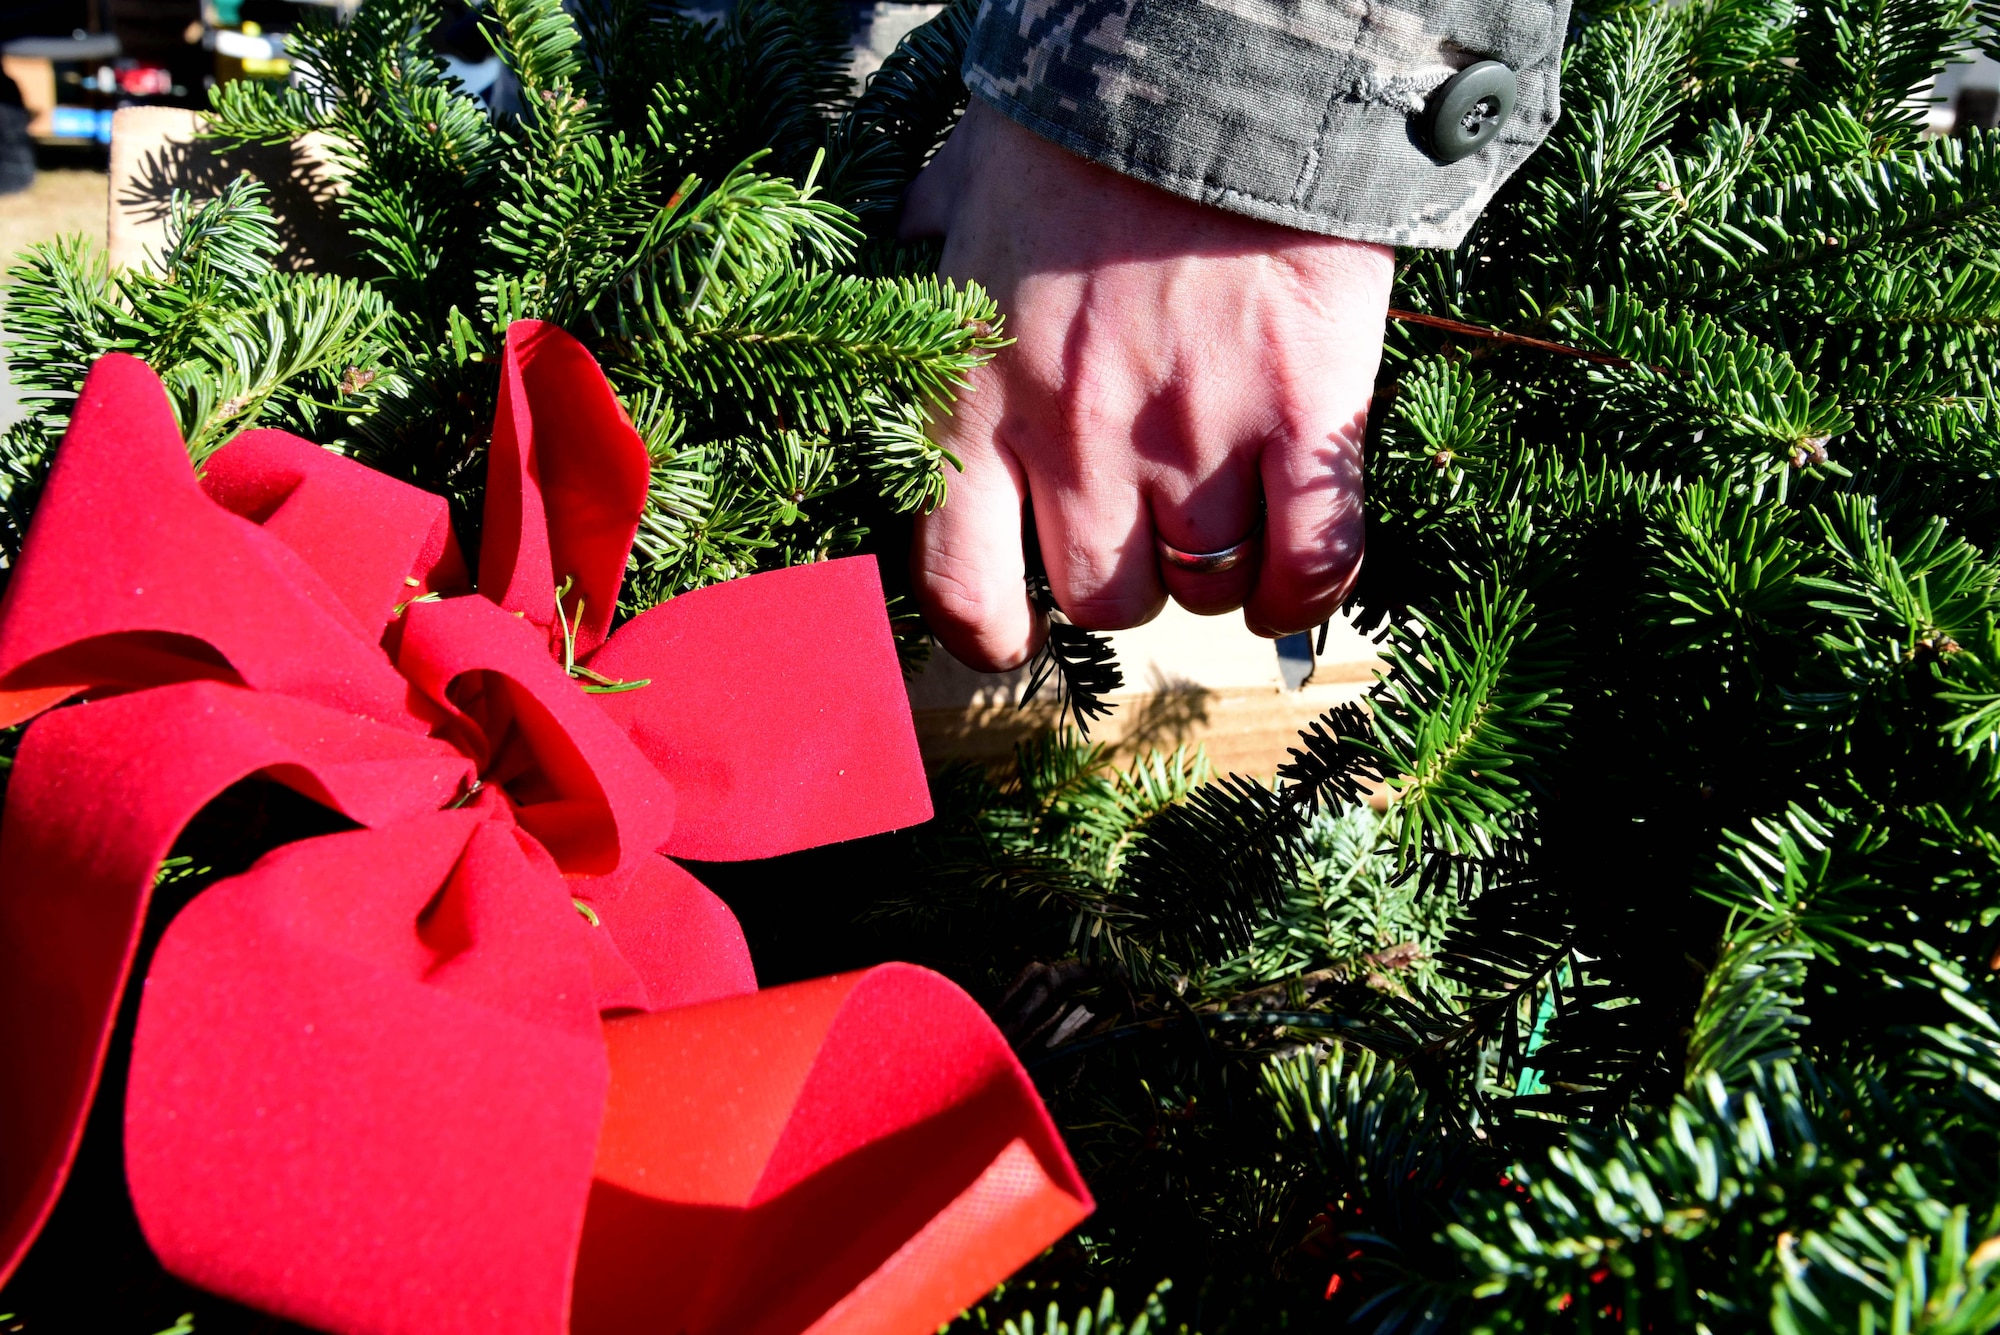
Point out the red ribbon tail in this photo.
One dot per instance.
(775, 706)
(866, 1171)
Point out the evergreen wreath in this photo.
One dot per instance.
(1662, 995)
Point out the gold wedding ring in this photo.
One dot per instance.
(1211, 563)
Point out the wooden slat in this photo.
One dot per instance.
(1190, 680)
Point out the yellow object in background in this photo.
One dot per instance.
(246, 53)
(264, 67)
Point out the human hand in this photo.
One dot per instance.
(1173, 364)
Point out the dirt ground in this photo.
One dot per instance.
(61, 200)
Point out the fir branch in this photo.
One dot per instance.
(1762, 418)
(1901, 612)
(1867, 55)
(1751, 1011)
(1680, 1226)
(253, 361)
(1081, 663)
(1367, 1126)
(908, 464)
(62, 314)
(255, 111)
(633, 51)
(1865, 1270)
(26, 451)
(1617, 88)
(1729, 575)
(1738, 49)
(537, 40)
(910, 104)
(708, 249)
(1462, 722)
(1785, 882)
(575, 203)
(1801, 222)
(1972, 690)
(1337, 761)
(795, 63)
(1103, 1319)
(803, 350)
(232, 236)
(1203, 870)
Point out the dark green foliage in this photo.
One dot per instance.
(1078, 665)
(236, 344)
(1101, 1319)
(1691, 721)
(1060, 894)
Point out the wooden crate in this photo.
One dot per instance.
(154, 152)
(1189, 680)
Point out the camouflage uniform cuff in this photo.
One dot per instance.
(1308, 113)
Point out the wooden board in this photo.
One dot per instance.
(1189, 680)
(154, 152)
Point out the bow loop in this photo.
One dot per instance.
(575, 781)
(776, 709)
(566, 482)
(98, 793)
(378, 543)
(125, 545)
(409, 1129)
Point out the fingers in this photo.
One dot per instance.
(1313, 526)
(1075, 428)
(1312, 461)
(1172, 363)
(1216, 512)
(1097, 545)
(967, 562)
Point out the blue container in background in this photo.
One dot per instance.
(81, 123)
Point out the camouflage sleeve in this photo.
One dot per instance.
(1302, 112)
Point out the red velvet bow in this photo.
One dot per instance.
(490, 1062)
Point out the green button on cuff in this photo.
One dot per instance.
(1468, 109)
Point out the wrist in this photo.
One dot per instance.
(993, 170)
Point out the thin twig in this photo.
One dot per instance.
(1501, 336)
